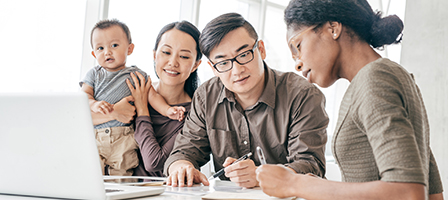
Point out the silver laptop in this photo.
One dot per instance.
(48, 149)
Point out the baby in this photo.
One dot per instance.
(105, 85)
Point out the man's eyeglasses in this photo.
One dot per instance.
(293, 43)
(242, 58)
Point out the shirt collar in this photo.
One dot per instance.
(267, 96)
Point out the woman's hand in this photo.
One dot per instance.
(273, 177)
(140, 93)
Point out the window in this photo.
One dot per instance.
(41, 45)
(144, 19)
(278, 55)
(208, 12)
(47, 43)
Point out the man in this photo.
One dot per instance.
(247, 105)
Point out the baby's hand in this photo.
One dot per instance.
(102, 107)
(176, 113)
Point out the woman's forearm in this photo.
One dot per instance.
(316, 188)
(274, 177)
(154, 154)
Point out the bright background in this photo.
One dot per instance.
(46, 43)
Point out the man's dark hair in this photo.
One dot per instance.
(104, 24)
(219, 27)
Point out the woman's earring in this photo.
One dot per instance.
(335, 35)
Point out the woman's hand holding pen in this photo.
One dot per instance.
(242, 173)
(274, 177)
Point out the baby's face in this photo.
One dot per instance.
(111, 47)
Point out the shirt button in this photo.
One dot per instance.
(245, 142)
(107, 131)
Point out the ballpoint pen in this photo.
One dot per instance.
(221, 172)
(261, 155)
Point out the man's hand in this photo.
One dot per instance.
(242, 173)
(102, 107)
(123, 110)
(181, 171)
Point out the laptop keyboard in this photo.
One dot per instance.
(113, 190)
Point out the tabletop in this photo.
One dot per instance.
(217, 188)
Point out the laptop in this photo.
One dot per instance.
(48, 149)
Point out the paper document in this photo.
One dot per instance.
(229, 190)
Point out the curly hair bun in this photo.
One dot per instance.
(386, 31)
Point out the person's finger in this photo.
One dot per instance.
(110, 107)
(106, 107)
(190, 176)
(180, 116)
(228, 161)
(203, 179)
(174, 179)
(168, 180)
(101, 110)
(148, 85)
(247, 183)
(238, 170)
(105, 110)
(136, 82)
(129, 98)
(130, 86)
(182, 109)
(181, 177)
(141, 78)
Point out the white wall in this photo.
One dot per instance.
(425, 54)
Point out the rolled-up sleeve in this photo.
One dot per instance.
(308, 136)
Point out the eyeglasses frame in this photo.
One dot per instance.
(293, 46)
(234, 59)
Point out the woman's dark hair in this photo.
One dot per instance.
(357, 15)
(192, 82)
(218, 28)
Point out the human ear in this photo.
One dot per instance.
(130, 48)
(262, 49)
(196, 65)
(335, 28)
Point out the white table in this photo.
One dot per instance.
(184, 193)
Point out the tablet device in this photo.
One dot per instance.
(137, 181)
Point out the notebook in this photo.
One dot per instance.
(48, 149)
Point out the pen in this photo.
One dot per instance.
(221, 172)
(261, 155)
